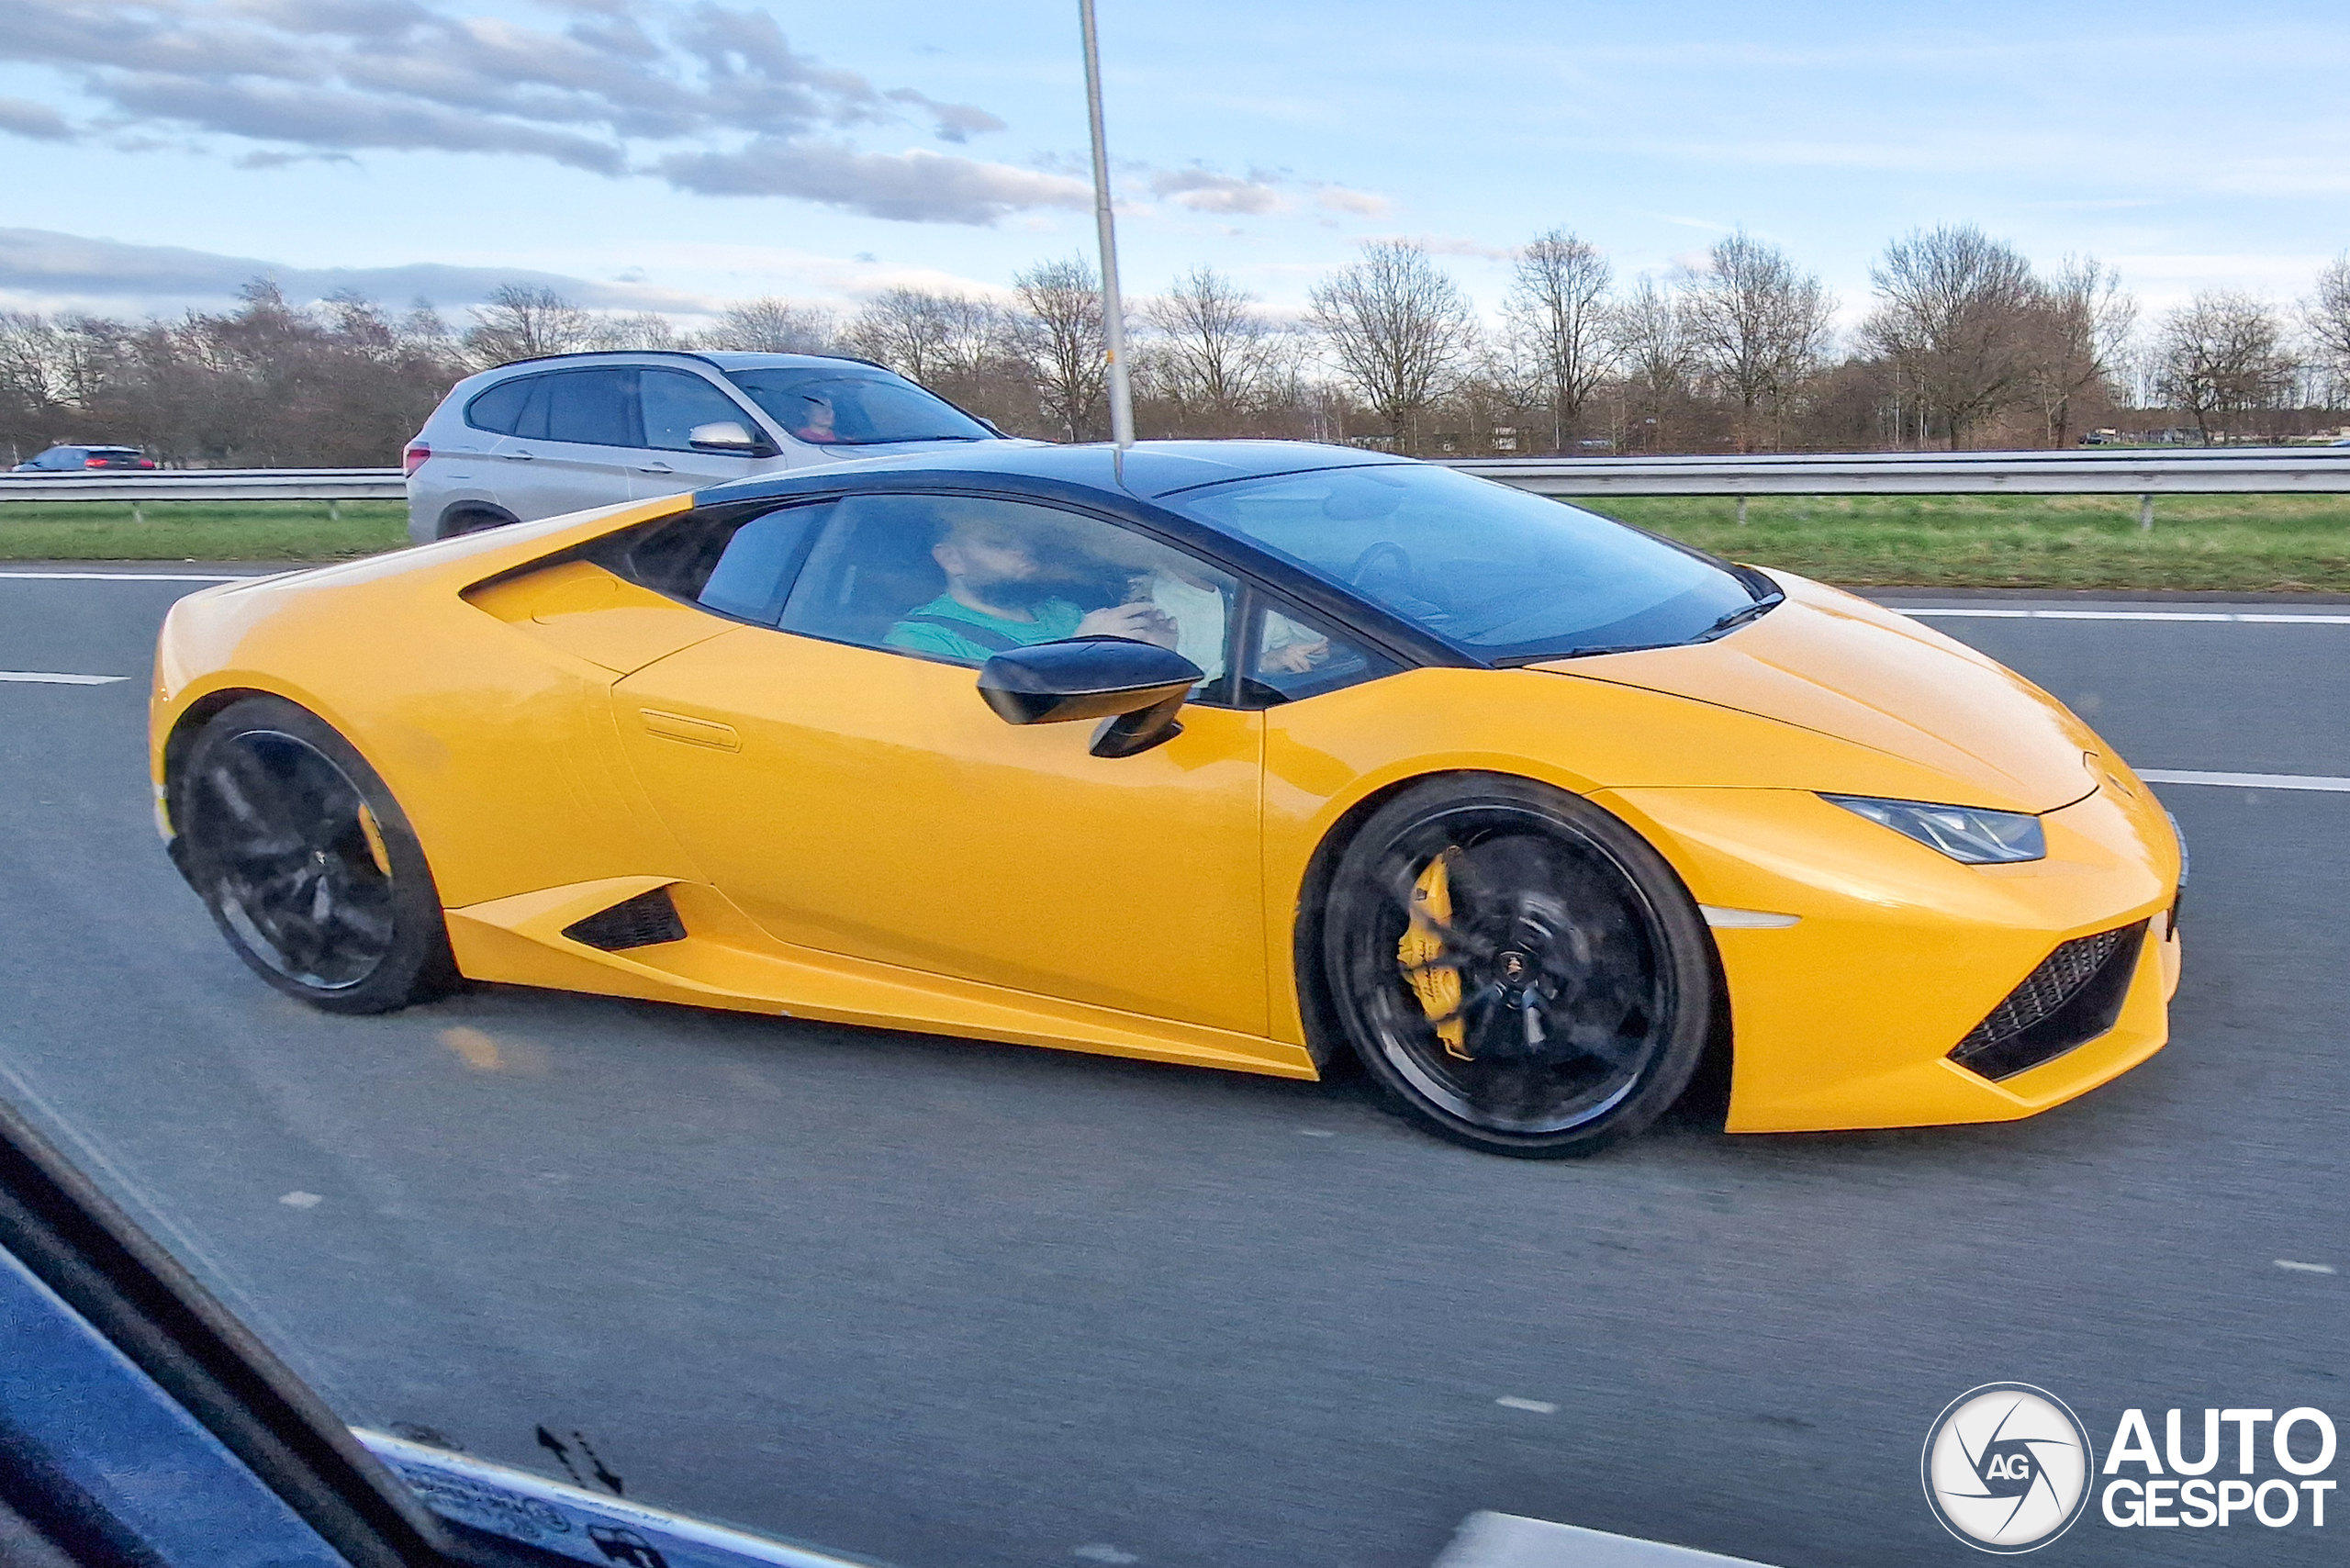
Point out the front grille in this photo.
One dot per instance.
(2072, 998)
(645, 920)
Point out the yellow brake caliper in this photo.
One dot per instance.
(1437, 985)
(374, 837)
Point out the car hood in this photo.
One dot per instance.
(1831, 662)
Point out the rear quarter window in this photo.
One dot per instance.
(497, 409)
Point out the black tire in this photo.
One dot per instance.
(274, 810)
(1582, 982)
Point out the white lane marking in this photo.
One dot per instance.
(1314, 1132)
(2252, 617)
(2247, 781)
(2305, 1268)
(1103, 1551)
(1539, 1406)
(135, 576)
(1510, 1541)
(301, 1200)
(41, 677)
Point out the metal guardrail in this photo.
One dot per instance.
(210, 485)
(2203, 471)
(2206, 471)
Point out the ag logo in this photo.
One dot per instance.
(2007, 1467)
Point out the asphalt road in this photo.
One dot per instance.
(948, 1303)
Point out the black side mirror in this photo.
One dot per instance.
(1137, 689)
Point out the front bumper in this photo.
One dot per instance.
(1847, 1017)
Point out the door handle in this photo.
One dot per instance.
(654, 468)
(692, 731)
(516, 456)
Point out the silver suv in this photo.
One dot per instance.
(541, 437)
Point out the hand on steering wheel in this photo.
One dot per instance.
(1384, 548)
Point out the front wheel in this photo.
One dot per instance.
(1518, 970)
(306, 862)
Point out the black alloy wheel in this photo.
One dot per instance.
(1518, 970)
(306, 864)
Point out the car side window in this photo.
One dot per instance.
(964, 577)
(593, 407)
(1288, 657)
(739, 568)
(675, 402)
(499, 410)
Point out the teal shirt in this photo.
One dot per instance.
(1056, 618)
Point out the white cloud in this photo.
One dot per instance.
(1362, 204)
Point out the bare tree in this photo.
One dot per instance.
(928, 337)
(1648, 331)
(2326, 315)
(1953, 315)
(769, 325)
(645, 329)
(2078, 337)
(1558, 317)
(1758, 323)
(1213, 353)
(523, 321)
(2221, 355)
(1399, 329)
(1060, 331)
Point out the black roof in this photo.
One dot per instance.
(1148, 469)
(721, 359)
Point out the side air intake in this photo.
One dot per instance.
(2072, 998)
(645, 920)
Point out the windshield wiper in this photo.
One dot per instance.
(1740, 617)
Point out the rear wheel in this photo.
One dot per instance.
(306, 862)
(1518, 970)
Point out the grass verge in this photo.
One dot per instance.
(199, 531)
(2254, 544)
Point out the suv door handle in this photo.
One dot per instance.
(654, 468)
(517, 456)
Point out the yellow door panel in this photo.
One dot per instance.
(876, 807)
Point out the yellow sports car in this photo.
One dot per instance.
(1245, 755)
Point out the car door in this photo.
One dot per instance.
(855, 796)
(675, 403)
(575, 443)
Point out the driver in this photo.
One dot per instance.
(817, 423)
(998, 596)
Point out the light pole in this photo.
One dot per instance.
(1113, 320)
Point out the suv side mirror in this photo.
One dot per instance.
(728, 436)
(1137, 689)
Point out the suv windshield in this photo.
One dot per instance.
(1509, 576)
(850, 406)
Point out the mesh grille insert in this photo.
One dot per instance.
(645, 920)
(2072, 998)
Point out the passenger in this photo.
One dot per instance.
(1196, 608)
(999, 597)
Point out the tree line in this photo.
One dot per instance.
(1963, 343)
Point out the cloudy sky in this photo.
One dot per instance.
(670, 154)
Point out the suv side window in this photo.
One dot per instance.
(675, 402)
(499, 409)
(962, 578)
(594, 407)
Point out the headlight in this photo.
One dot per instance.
(1966, 833)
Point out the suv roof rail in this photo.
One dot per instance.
(687, 354)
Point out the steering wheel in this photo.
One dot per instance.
(1377, 553)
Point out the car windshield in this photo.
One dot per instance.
(1507, 575)
(849, 405)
